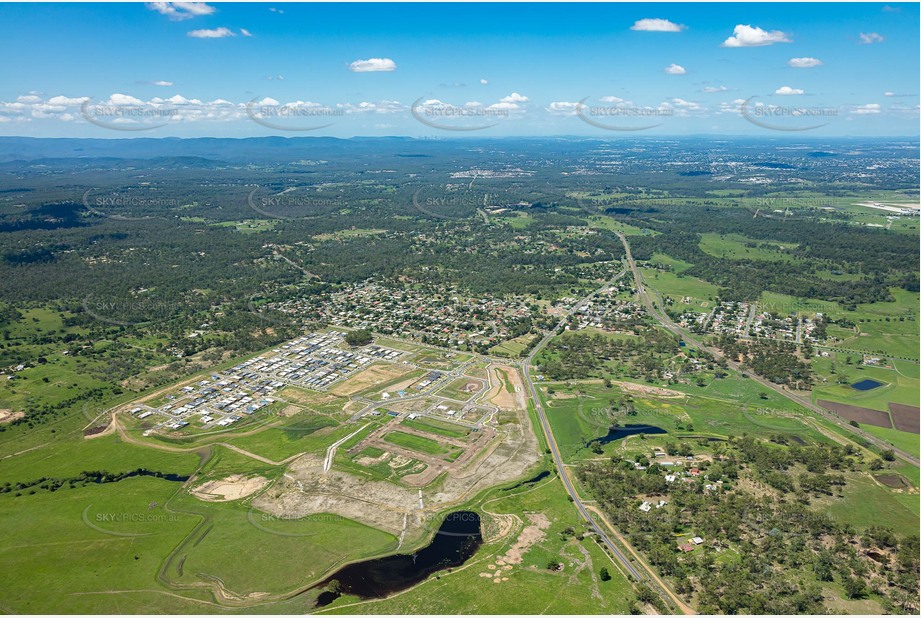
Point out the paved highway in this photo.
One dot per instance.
(551, 441)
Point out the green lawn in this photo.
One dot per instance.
(436, 426)
(422, 445)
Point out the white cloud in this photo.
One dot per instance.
(511, 102)
(804, 63)
(161, 83)
(274, 10)
(715, 88)
(872, 37)
(869, 108)
(656, 25)
(748, 36)
(124, 99)
(62, 100)
(787, 90)
(245, 32)
(678, 102)
(372, 65)
(377, 107)
(563, 108)
(514, 98)
(484, 81)
(675, 69)
(214, 33)
(179, 11)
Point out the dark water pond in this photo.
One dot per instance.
(866, 385)
(456, 541)
(617, 433)
(530, 481)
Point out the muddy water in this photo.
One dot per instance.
(456, 541)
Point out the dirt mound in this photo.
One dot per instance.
(233, 487)
(7, 416)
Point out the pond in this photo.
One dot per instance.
(530, 481)
(617, 433)
(866, 385)
(455, 542)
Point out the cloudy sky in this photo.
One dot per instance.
(209, 69)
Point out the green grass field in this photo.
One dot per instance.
(733, 247)
(455, 389)
(701, 293)
(422, 445)
(436, 426)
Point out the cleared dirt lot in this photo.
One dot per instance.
(502, 454)
(905, 417)
(858, 414)
(233, 487)
(498, 394)
(374, 375)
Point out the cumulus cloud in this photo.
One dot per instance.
(804, 63)
(510, 102)
(162, 82)
(657, 25)
(749, 36)
(888, 93)
(563, 108)
(484, 81)
(376, 107)
(179, 11)
(869, 38)
(678, 102)
(213, 33)
(274, 10)
(62, 100)
(869, 108)
(675, 69)
(373, 65)
(715, 88)
(787, 90)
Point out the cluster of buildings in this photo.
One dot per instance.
(313, 361)
(605, 311)
(751, 321)
(447, 317)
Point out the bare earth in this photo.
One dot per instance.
(7, 416)
(233, 487)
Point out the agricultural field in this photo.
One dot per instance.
(702, 295)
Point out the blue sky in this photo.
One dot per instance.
(237, 70)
